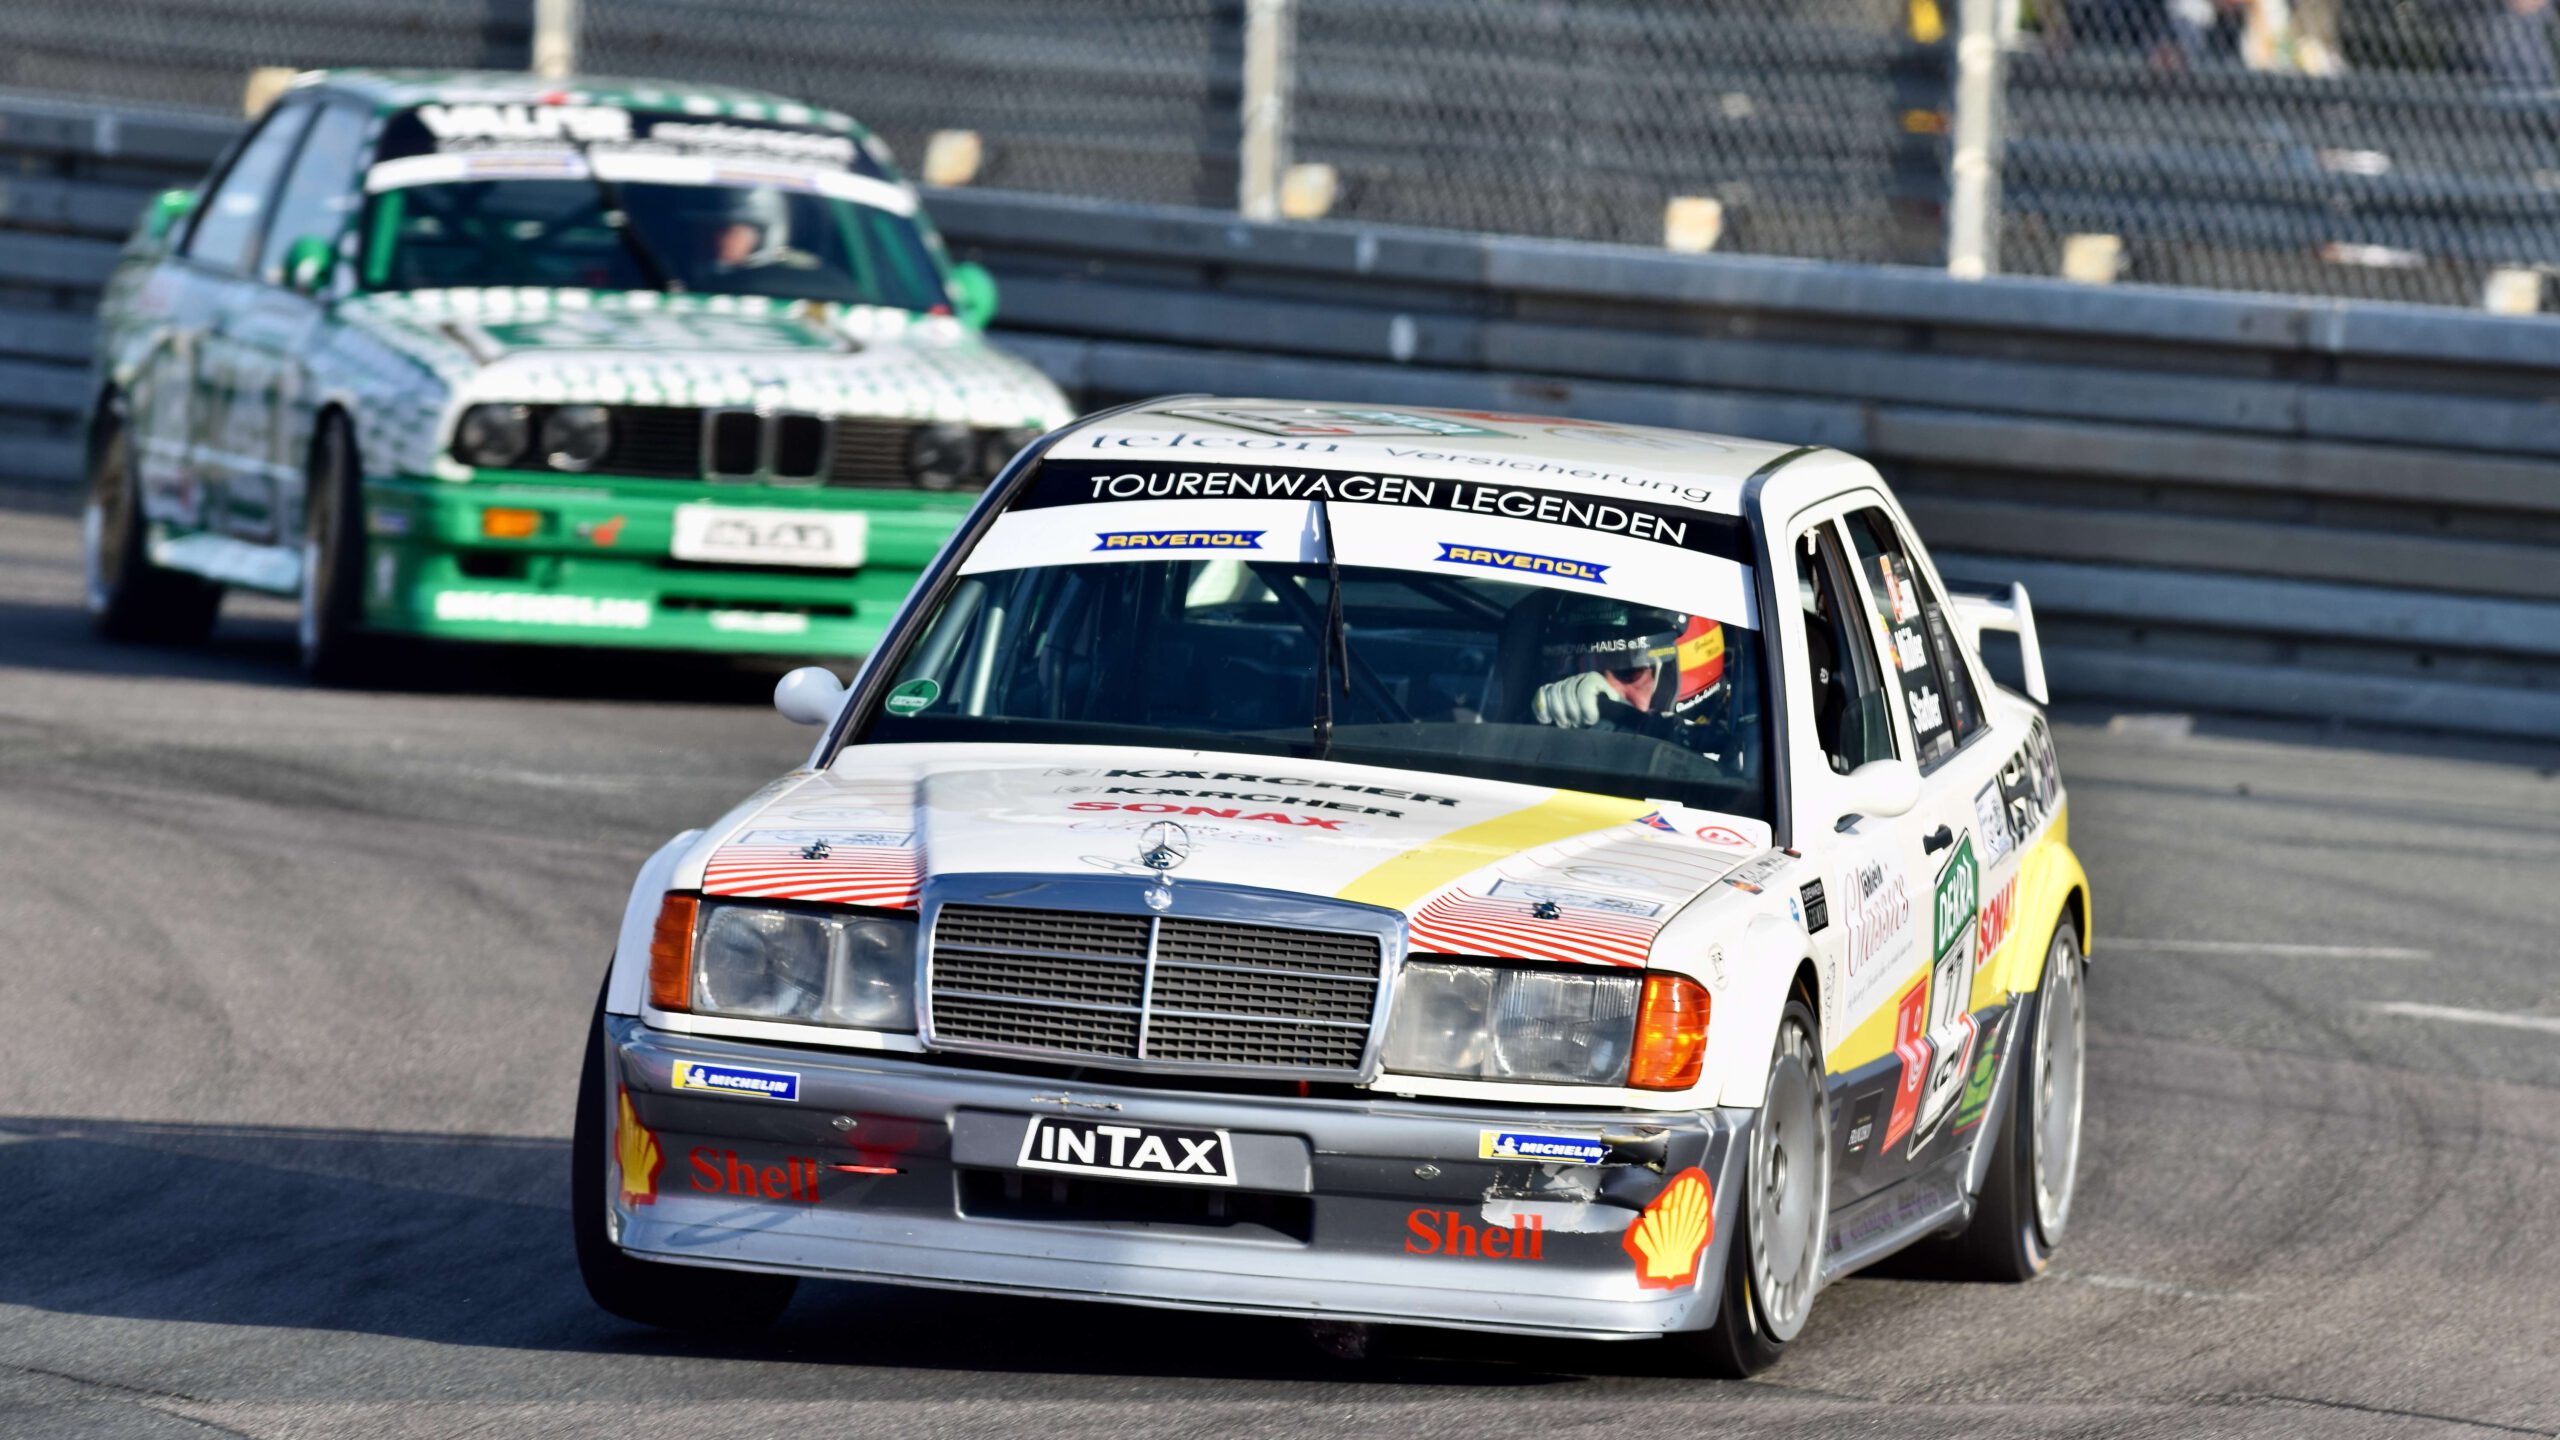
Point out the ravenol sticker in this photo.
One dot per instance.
(1498, 559)
(737, 1080)
(1179, 540)
(1546, 1149)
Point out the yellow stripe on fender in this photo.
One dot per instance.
(2047, 872)
(1402, 883)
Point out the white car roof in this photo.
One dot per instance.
(1668, 467)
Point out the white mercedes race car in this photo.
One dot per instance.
(1377, 865)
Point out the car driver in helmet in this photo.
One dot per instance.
(750, 229)
(1605, 663)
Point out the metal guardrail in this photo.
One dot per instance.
(2291, 506)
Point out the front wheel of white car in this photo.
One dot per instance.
(328, 627)
(1774, 1264)
(671, 1297)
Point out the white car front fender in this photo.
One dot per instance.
(629, 978)
(1743, 1029)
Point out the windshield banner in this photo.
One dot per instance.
(1085, 482)
(636, 168)
(1079, 513)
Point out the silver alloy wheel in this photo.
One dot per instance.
(93, 529)
(1789, 1185)
(102, 522)
(319, 512)
(306, 620)
(2059, 1059)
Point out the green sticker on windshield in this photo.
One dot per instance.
(913, 696)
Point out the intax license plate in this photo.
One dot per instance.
(1129, 1152)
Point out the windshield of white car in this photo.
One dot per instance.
(1448, 675)
(709, 239)
(571, 193)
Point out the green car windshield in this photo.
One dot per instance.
(602, 197)
(707, 239)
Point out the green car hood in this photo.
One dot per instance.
(571, 346)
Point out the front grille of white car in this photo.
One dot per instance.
(1153, 991)
(682, 442)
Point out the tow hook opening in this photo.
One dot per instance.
(1348, 1340)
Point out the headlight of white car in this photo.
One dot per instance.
(1480, 1022)
(761, 962)
(493, 436)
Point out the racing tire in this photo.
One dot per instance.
(328, 622)
(1773, 1267)
(670, 1297)
(2035, 1159)
(128, 597)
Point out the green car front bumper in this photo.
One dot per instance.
(594, 563)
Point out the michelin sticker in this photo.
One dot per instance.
(737, 1080)
(1545, 1149)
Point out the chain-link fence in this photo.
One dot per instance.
(1590, 121)
(1125, 99)
(2403, 149)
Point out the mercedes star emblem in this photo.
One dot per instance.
(1163, 845)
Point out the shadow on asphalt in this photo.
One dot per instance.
(464, 1240)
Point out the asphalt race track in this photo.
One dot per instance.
(295, 983)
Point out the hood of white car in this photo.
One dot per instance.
(1477, 867)
(573, 347)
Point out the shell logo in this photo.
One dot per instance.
(1673, 1232)
(636, 1155)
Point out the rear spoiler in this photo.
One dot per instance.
(1981, 612)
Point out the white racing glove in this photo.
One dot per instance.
(1574, 702)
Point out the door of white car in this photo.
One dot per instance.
(266, 333)
(1937, 1034)
(224, 391)
(172, 391)
(1863, 908)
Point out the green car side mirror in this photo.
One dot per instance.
(307, 263)
(973, 294)
(167, 209)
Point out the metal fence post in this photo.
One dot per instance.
(1262, 153)
(1973, 169)
(555, 38)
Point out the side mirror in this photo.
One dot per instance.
(973, 294)
(810, 695)
(1882, 788)
(307, 264)
(166, 210)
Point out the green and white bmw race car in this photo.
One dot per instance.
(485, 357)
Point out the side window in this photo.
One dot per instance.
(320, 196)
(1935, 683)
(227, 228)
(1848, 700)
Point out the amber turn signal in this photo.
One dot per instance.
(507, 524)
(671, 953)
(1671, 1034)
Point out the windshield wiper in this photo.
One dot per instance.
(618, 220)
(1335, 638)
